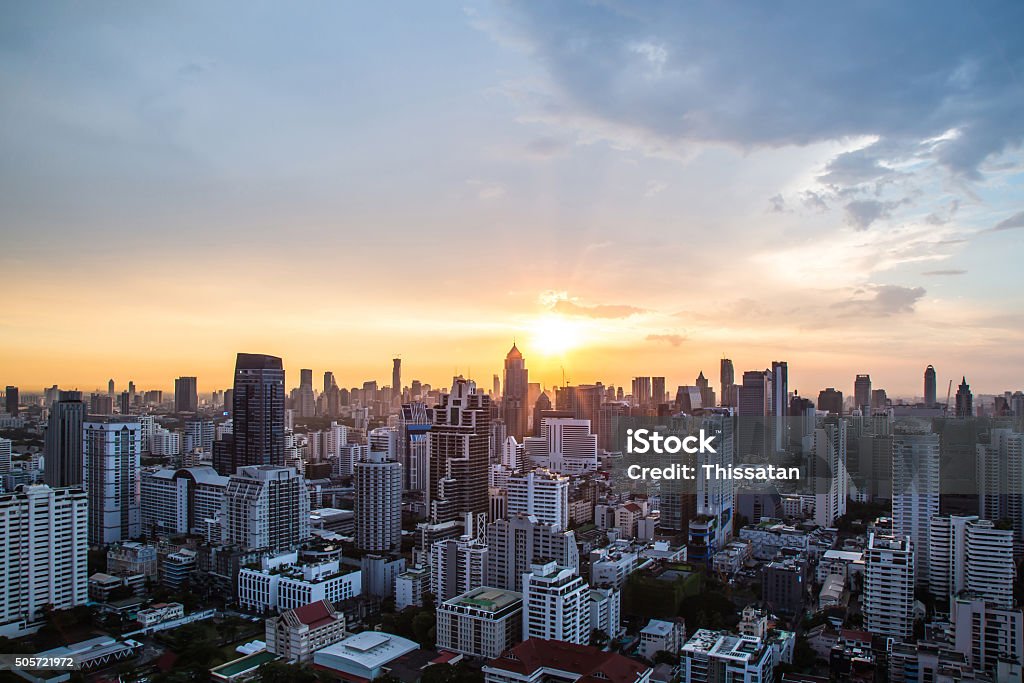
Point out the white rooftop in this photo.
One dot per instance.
(369, 649)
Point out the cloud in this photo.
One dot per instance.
(568, 307)
(861, 213)
(671, 339)
(771, 76)
(950, 271)
(486, 190)
(1012, 223)
(778, 204)
(882, 301)
(655, 187)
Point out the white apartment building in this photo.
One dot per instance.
(378, 502)
(481, 623)
(711, 656)
(968, 553)
(410, 586)
(986, 633)
(565, 446)
(888, 598)
(556, 604)
(457, 566)
(43, 553)
(606, 610)
(610, 567)
(266, 507)
(915, 491)
(282, 582)
(661, 636)
(180, 501)
(829, 472)
(541, 493)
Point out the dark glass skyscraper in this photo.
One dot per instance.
(964, 400)
(186, 396)
(63, 441)
(11, 400)
(930, 399)
(258, 411)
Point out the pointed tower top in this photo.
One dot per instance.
(514, 352)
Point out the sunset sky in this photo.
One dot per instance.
(623, 188)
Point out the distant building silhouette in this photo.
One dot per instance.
(964, 400)
(63, 441)
(258, 411)
(186, 397)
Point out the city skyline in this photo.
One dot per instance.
(457, 177)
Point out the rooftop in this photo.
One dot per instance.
(369, 649)
(590, 663)
(487, 599)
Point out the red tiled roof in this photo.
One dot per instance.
(854, 635)
(315, 614)
(444, 657)
(584, 660)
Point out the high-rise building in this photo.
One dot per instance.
(1000, 466)
(556, 604)
(378, 503)
(110, 388)
(63, 441)
(754, 433)
(828, 472)
(915, 491)
(727, 380)
(831, 401)
(514, 544)
(112, 448)
(11, 401)
(199, 433)
(457, 566)
(44, 551)
(658, 391)
(888, 601)
(514, 405)
(6, 453)
(862, 394)
(258, 411)
(779, 408)
(964, 400)
(181, 501)
(541, 493)
(267, 508)
(303, 398)
(990, 636)
(459, 453)
(540, 406)
(968, 553)
(930, 398)
(707, 394)
(642, 392)
(396, 378)
(565, 446)
(711, 528)
(186, 395)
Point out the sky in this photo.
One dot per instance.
(621, 188)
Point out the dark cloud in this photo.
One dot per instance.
(951, 271)
(672, 339)
(1012, 223)
(881, 301)
(775, 74)
(598, 311)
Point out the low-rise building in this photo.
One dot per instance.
(553, 661)
(481, 623)
(711, 656)
(410, 586)
(297, 633)
(660, 635)
(160, 612)
(283, 582)
(731, 558)
(362, 656)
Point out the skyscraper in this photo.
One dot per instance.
(258, 413)
(11, 400)
(110, 389)
(915, 491)
(727, 377)
(707, 394)
(540, 493)
(378, 503)
(303, 399)
(888, 601)
(63, 441)
(112, 451)
(396, 379)
(930, 398)
(657, 390)
(754, 400)
(780, 404)
(186, 398)
(514, 406)
(964, 400)
(862, 394)
(514, 544)
(459, 453)
(642, 392)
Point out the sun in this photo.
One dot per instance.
(554, 335)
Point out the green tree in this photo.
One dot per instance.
(423, 628)
(280, 672)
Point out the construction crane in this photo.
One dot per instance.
(945, 411)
